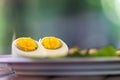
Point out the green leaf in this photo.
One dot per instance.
(106, 51)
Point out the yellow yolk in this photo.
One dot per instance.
(51, 43)
(26, 44)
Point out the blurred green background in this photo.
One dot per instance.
(83, 23)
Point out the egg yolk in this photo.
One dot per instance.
(26, 44)
(51, 43)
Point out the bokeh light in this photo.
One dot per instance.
(112, 10)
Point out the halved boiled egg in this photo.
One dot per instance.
(27, 47)
(53, 47)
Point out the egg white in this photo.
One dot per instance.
(38, 53)
(55, 53)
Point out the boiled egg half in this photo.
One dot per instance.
(26, 47)
(53, 47)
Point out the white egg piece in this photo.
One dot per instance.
(36, 52)
(54, 47)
